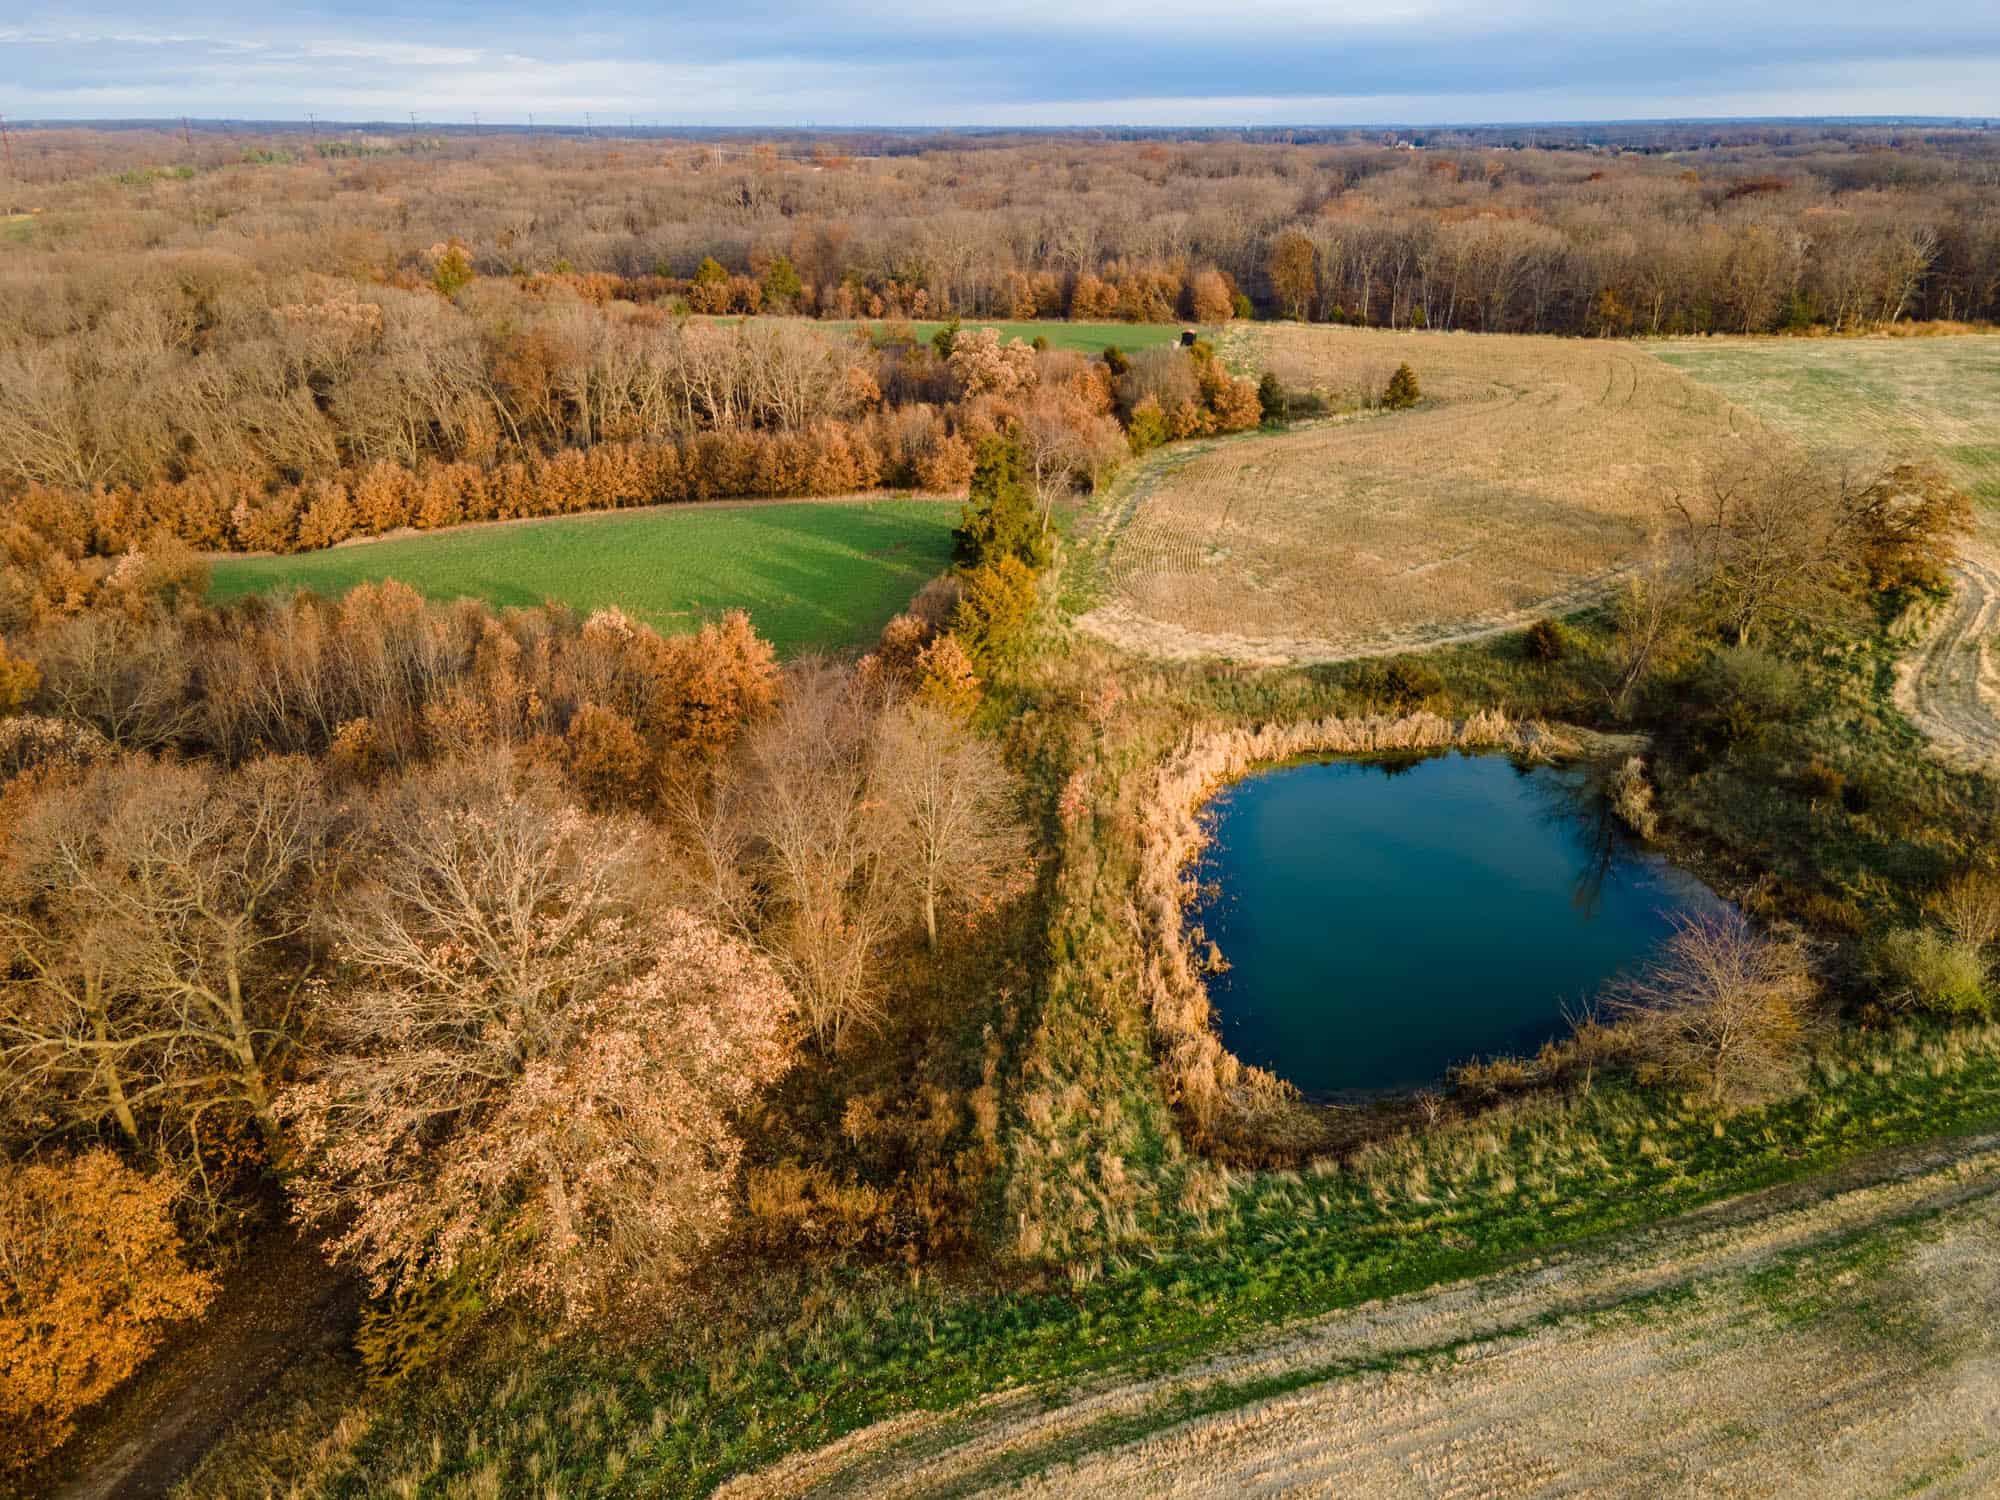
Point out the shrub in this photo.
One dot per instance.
(1271, 398)
(410, 1329)
(1148, 427)
(1820, 782)
(1400, 684)
(1402, 391)
(90, 1273)
(1547, 641)
(1926, 969)
(1722, 1006)
(1968, 906)
(1741, 690)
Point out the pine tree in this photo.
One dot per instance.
(1402, 391)
(781, 285)
(1000, 518)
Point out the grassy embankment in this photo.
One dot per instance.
(853, 1349)
(813, 575)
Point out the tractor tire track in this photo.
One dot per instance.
(1949, 685)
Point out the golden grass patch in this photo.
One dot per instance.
(1524, 482)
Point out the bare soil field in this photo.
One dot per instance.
(1935, 399)
(1834, 1338)
(1522, 485)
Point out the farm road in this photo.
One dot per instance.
(1949, 684)
(1835, 1337)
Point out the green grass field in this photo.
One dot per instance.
(813, 575)
(1937, 398)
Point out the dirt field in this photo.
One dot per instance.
(1936, 399)
(1838, 1338)
(1521, 486)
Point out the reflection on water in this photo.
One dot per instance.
(1384, 920)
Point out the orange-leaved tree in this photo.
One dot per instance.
(90, 1276)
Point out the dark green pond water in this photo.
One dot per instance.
(1383, 921)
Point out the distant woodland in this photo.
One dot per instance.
(273, 341)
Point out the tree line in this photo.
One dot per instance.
(1748, 231)
(248, 427)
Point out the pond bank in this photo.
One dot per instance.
(1239, 1112)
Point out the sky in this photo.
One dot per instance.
(1001, 62)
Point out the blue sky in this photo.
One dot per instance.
(1042, 62)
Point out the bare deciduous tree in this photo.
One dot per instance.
(151, 915)
(1723, 1006)
(1765, 539)
(951, 806)
(797, 815)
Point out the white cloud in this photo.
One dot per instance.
(1038, 62)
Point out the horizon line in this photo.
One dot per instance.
(310, 121)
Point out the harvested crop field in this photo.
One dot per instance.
(1835, 1340)
(1522, 485)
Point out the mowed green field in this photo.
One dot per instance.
(1905, 397)
(814, 575)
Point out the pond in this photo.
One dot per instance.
(1384, 920)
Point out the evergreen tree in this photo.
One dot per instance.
(1403, 391)
(454, 271)
(1271, 402)
(1000, 518)
(781, 285)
